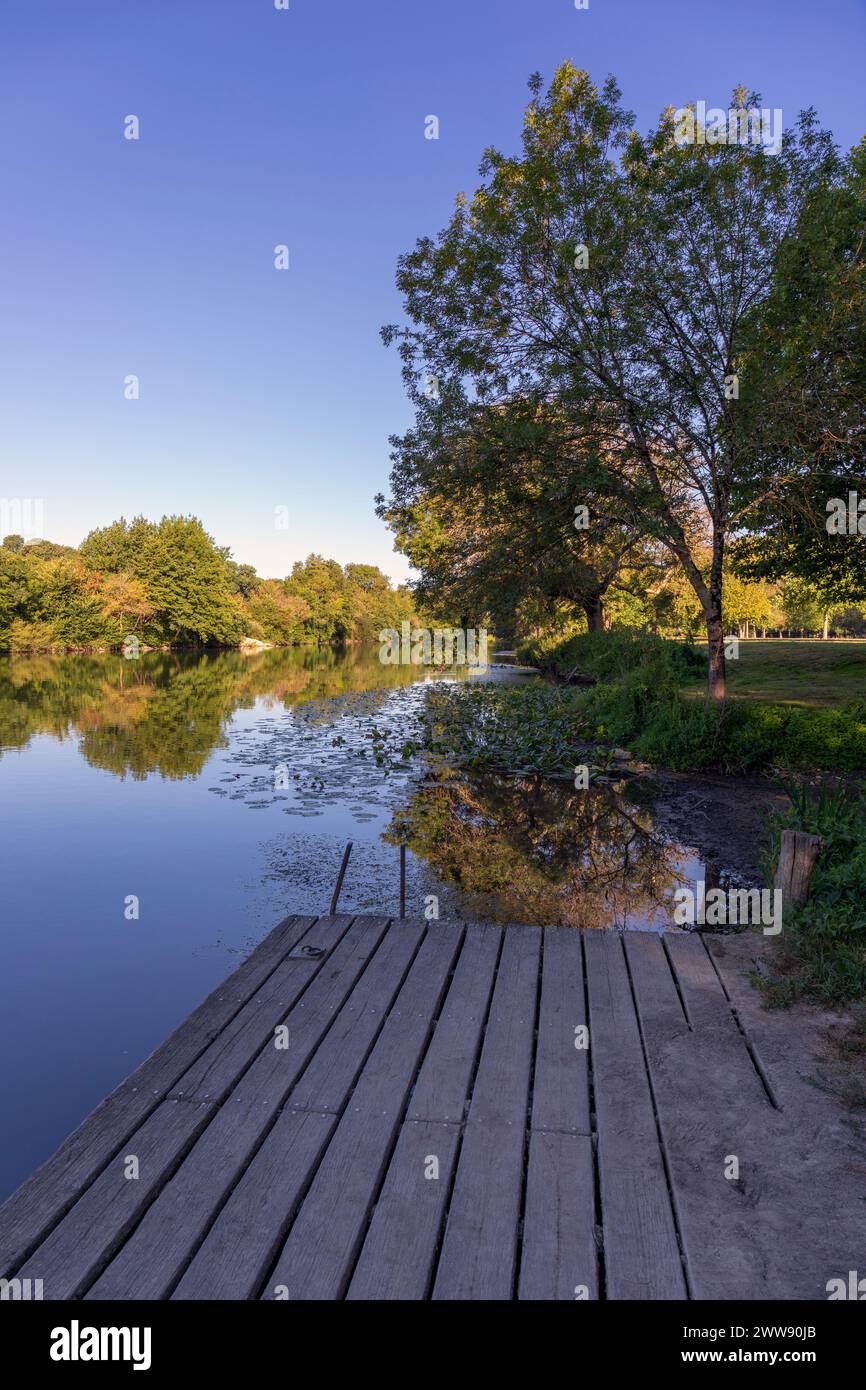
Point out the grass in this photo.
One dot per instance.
(810, 672)
(821, 953)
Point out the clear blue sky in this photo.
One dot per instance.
(260, 126)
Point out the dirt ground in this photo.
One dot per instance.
(722, 816)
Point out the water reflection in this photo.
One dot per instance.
(488, 847)
(167, 711)
(538, 851)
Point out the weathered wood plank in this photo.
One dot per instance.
(560, 1097)
(95, 1227)
(479, 1246)
(328, 1079)
(704, 997)
(443, 1082)
(259, 1210)
(246, 1237)
(735, 957)
(317, 1258)
(30, 1212)
(215, 1072)
(642, 1259)
(559, 1257)
(173, 1227)
(396, 1260)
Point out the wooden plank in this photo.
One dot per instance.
(501, 1086)
(77, 1249)
(642, 1259)
(249, 1231)
(173, 1227)
(331, 1074)
(712, 1109)
(559, 1257)
(397, 1257)
(317, 1258)
(30, 1212)
(479, 1246)
(702, 993)
(560, 1095)
(213, 1074)
(443, 1083)
(262, 1219)
(735, 957)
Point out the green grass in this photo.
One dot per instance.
(821, 953)
(809, 672)
(792, 704)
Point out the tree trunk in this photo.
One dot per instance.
(826, 633)
(594, 610)
(716, 687)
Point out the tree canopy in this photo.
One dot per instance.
(647, 294)
(168, 583)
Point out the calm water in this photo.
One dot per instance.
(219, 791)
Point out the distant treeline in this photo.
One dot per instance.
(168, 583)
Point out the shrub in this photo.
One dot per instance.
(612, 655)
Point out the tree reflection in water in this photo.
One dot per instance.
(166, 712)
(536, 850)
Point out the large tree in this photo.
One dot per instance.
(497, 505)
(623, 278)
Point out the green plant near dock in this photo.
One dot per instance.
(521, 729)
(821, 953)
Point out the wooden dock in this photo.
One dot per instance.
(378, 1109)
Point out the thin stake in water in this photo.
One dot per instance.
(340, 876)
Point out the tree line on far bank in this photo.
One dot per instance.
(168, 583)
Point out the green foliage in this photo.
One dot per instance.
(272, 615)
(625, 289)
(346, 604)
(525, 728)
(611, 655)
(636, 703)
(821, 952)
(690, 735)
(168, 584)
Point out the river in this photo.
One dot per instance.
(159, 816)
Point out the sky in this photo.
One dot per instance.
(266, 397)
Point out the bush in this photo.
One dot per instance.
(36, 636)
(612, 655)
(691, 735)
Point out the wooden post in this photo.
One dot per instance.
(797, 854)
(340, 876)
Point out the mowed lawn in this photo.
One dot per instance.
(805, 672)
